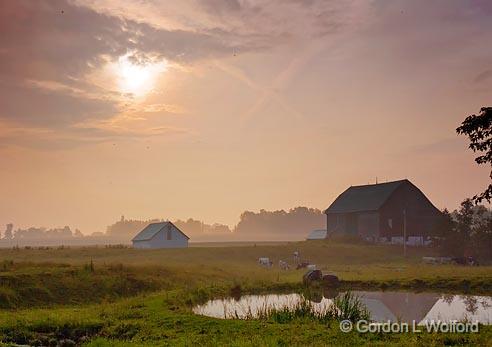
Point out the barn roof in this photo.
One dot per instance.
(152, 229)
(364, 198)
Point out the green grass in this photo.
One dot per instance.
(164, 319)
(144, 297)
(359, 265)
(347, 306)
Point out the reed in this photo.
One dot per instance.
(345, 307)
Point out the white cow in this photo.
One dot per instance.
(265, 262)
(283, 265)
(311, 267)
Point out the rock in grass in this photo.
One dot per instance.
(331, 281)
(312, 276)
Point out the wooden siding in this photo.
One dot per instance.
(387, 221)
(421, 215)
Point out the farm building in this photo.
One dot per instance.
(379, 211)
(320, 234)
(160, 235)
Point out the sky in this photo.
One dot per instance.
(207, 108)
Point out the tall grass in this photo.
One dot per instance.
(346, 306)
(349, 307)
(301, 310)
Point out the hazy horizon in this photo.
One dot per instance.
(207, 108)
(208, 222)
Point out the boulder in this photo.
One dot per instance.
(312, 276)
(331, 280)
(330, 292)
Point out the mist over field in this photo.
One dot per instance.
(294, 224)
(245, 172)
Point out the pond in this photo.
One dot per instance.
(383, 306)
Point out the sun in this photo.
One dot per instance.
(137, 78)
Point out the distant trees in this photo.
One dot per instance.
(466, 232)
(448, 239)
(275, 225)
(8, 232)
(38, 233)
(126, 229)
(196, 227)
(293, 224)
(479, 132)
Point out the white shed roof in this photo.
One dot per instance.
(152, 229)
(317, 235)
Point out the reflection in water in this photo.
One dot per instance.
(462, 307)
(398, 306)
(383, 306)
(471, 304)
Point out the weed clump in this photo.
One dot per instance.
(345, 307)
(6, 265)
(349, 307)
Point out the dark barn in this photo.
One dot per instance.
(377, 211)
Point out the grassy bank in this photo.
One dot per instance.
(165, 319)
(39, 276)
(109, 296)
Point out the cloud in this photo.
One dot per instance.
(42, 138)
(50, 48)
(271, 23)
(221, 6)
(245, 25)
(483, 76)
(50, 108)
(447, 146)
(39, 41)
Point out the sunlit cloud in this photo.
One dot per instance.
(136, 77)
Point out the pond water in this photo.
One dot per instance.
(383, 306)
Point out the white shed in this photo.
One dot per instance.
(317, 235)
(160, 235)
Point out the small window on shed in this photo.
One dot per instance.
(390, 223)
(169, 235)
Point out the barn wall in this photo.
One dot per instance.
(142, 244)
(421, 214)
(342, 222)
(368, 224)
(160, 240)
(337, 222)
(332, 223)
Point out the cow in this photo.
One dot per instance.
(264, 261)
(283, 265)
(302, 265)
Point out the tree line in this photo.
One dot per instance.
(293, 224)
(465, 232)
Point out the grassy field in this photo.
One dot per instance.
(119, 296)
